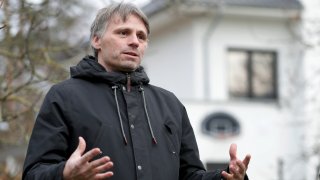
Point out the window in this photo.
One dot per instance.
(220, 125)
(252, 74)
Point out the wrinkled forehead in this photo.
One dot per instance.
(116, 19)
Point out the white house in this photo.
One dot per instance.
(237, 67)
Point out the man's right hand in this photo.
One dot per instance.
(79, 165)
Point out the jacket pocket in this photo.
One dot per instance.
(172, 138)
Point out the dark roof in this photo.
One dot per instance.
(157, 5)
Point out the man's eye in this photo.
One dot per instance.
(123, 33)
(142, 37)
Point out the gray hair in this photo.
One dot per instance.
(104, 15)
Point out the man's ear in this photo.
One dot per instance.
(95, 42)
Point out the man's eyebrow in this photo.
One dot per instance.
(142, 31)
(117, 30)
(121, 29)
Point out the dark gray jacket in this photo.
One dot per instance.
(144, 129)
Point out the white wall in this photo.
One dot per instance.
(247, 33)
(261, 135)
(169, 59)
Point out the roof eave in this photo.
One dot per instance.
(155, 7)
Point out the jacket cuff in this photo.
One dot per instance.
(60, 170)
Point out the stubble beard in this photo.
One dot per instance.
(126, 65)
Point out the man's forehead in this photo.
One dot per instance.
(117, 19)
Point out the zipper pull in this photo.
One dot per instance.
(128, 82)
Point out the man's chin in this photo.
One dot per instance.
(129, 68)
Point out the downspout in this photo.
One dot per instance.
(217, 17)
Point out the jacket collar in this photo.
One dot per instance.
(89, 68)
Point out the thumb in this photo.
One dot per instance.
(81, 147)
(233, 151)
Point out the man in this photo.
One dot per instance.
(107, 121)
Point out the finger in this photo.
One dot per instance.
(105, 167)
(99, 162)
(81, 147)
(233, 151)
(242, 168)
(236, 172)
(226, 175)
(246, 160)
(233, 169)
(104, 175)
(88, 156)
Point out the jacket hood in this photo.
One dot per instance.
(89, 68)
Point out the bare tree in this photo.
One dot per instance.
(34, 39)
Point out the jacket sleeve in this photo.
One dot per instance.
(191, 168)
(47, 150)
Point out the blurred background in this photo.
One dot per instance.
(248, 72)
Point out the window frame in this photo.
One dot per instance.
(234, 127)
(249, 69)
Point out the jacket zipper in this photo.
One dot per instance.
(128, 82)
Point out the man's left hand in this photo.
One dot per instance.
(237, 167)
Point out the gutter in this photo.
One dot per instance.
(215, 21)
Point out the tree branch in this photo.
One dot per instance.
(26, 103)
(4, 25)
(19, 88)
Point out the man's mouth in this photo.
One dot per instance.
(131, 53)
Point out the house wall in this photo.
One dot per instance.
(246, 33)
(169, 59)
(267, 130)
(261, 136)
(194, 61)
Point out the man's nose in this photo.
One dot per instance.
(133, 41)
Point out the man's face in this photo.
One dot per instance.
(122, 45)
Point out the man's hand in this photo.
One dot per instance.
(79, 165)
(237, 167)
